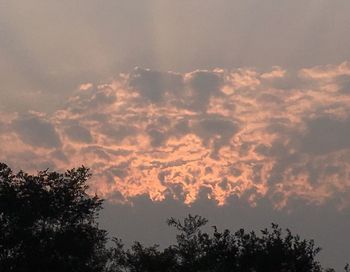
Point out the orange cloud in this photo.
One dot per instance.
(218, 133)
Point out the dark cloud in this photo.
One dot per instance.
(153, 85)
(59, 155)
(78, 133)
(205, 82)
(119, 170)
(118, 131)
(181, 127)
(202, 86)
(158, 138)
(97, 151)
(288, 81)
(192, 91)
(2, 127)
(325, 135)
(36, 131)
(343, 83)
(215, 128)
(92, 100)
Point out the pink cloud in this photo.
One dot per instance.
(165, 134)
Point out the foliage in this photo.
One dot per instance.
(225, 251)
(48, 222)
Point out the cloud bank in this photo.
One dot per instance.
(279, 135)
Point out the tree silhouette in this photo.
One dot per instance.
(197, 251)
(48, 222)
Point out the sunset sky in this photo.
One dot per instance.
(238, 110)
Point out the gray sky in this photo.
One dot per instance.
(174, 102)
(53, 46)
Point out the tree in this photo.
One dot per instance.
(48, 222)
(197, 251)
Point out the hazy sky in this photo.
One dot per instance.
(238, 110)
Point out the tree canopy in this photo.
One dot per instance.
(49, 222)
(240, 251)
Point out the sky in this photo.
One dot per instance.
(235, 110)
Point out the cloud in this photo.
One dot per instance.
(278, 135)
(343, 83)
(78, 133)
(202, 85)
(153, 85)
(215, 131)
(36, 131)
(326, 135)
